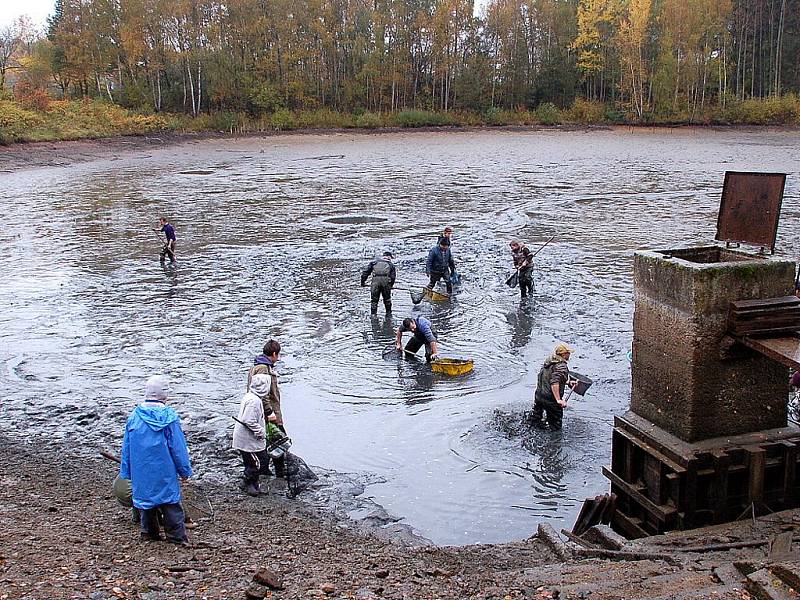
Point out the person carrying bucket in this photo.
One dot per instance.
(423, 336)
(523, 263)
(383, 276)
(549, 395)
(438, 263)
(264, 363)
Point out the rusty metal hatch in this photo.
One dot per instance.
(751, 208)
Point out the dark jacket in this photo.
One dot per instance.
(380, 268)
(438, 261)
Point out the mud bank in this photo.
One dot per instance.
(64, 536)
(66, 152)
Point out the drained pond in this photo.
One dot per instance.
(272, 236)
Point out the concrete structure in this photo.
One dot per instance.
(688, 377)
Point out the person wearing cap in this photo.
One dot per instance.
(440, 260)
(423, 336)
(549, 395)
(383, 276)
(250, 432)
(154, 457)
(523, 263)
(264, 363)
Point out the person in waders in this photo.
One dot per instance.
(264, 363)
(383, 276)
(523, 263)
(423, 336)
(250, 432)
(549, 395)
(169, 232)
(440, 264)
(154, 457)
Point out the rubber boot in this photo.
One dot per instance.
(373, 308)
(388, 305)
(252, 489)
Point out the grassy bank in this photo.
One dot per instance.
(79, 119)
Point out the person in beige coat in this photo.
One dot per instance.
(250, 432)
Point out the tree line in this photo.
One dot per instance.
(642, 57)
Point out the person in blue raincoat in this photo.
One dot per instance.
(154, 456)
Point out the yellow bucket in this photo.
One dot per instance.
(452, 366)
(431, 294)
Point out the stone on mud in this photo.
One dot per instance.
(269, 578)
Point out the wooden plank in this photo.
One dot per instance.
(755, 484)
(780, 301)
(661, 513)
(630, 526)
(784, 349)
(790, 475)
(719, 489)
(647, 448)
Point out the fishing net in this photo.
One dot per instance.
(299, 476)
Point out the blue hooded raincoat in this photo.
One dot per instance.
(154, 454)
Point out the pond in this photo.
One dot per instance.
(272, 236)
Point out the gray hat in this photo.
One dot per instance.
(260, 384)
(157, 387)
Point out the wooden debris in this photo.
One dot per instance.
(626, 555)
(551, 539)
(764, 317)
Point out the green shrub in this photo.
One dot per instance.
(369, 120)
(282, 120)
(548, 114)
(423, 118)
(324, 118)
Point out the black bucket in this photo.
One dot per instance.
(583, 385)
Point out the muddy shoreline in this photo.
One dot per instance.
(64, 536)
(63, 153)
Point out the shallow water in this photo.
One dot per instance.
(272, 235)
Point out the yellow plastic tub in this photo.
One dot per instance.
(434, 295)
(452, 366)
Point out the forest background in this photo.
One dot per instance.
(106, 67)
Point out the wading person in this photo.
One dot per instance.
(523, 263)
(383, 275)
(250, 432)
(439, 262)
(154, 456)
(169, 233)
(264, 364)
(549, 395)
(423, 335)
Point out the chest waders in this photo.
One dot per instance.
(544, 401)
(381, 286)
(525, 273)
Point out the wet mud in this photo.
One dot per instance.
(272, 236)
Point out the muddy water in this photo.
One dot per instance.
(272, 234)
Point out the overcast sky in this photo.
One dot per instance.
(39, 10)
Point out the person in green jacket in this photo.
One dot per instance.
(549, 395)
(383, 276)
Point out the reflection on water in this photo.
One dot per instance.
(273, 234)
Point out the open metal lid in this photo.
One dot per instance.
(751, 208)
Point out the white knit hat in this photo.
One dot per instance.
(157, 387)
(260, 384)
